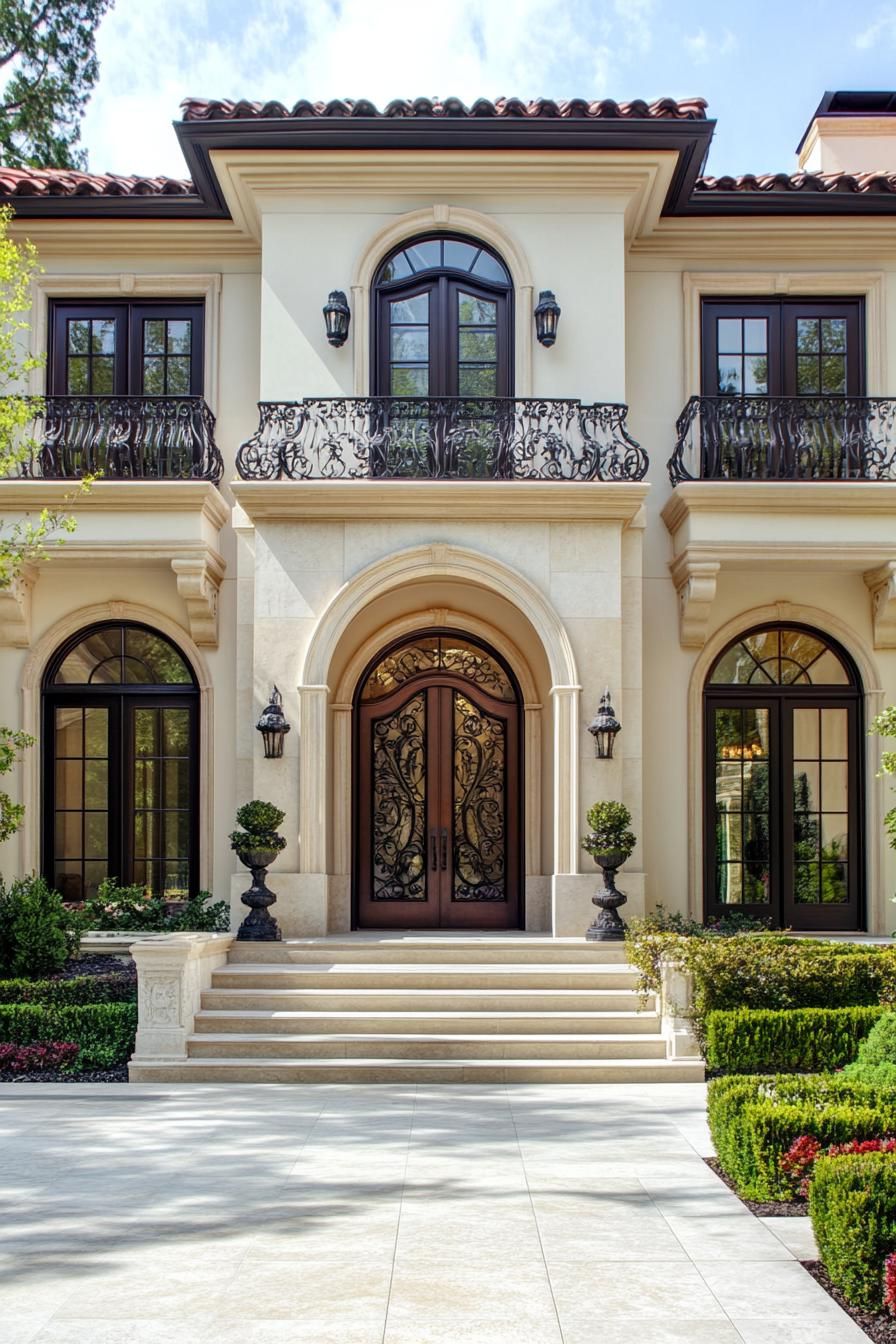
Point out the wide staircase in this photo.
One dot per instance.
(433, 1009)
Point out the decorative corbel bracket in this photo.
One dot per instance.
(696, 582)
(882, 585)
(198, 580)
(15, 609)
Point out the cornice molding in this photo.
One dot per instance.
(200, 497)
(346, 501)
(815, 498)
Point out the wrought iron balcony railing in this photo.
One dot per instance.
(140, 438)
(445, 438)
(785, 439)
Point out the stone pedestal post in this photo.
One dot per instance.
(172, 971)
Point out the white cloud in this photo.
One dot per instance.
(703, 48)
(155, 52)
(883, 28)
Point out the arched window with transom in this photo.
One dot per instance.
(120, 763)
(442, 321)
(783, 806)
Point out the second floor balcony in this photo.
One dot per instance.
(436, 438)
(123, 438)
(752, 438)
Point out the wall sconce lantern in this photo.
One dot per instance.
(337, 316)
(547, 316)
(604, 727)
(273, 727)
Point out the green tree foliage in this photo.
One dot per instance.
(47, 49)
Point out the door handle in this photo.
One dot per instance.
(434, 858)
(444, 850)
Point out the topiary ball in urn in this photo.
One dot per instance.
(609, 842)
(257, 845)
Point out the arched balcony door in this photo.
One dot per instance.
(120, 764)
(442, 321)
(437, 799)
(783, 804)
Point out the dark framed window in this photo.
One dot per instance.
(126, 349)
(443, 321)
(783, 347)
(783, 780)
(120, 763)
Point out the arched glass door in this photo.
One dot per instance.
(120, 764)
(437, 799)
(783, 836)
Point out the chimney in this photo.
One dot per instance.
(851, 133)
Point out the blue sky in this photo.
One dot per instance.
(762, 65)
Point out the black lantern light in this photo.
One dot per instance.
(547, 316)
(273, 727)
(337, 316)
(604, 727)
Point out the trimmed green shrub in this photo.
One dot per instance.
(765, 970)
(877, 1054)
(33, 928)
(104, 1032)
(754, 1121)
(852, 1204)
(111, 988)
(807, 1040)
(134, 910)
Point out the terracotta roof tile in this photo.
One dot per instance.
(863, 184)
(687, 109)
(19, 182)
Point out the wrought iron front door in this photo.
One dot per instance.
(438, 806)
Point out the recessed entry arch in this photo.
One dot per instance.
(783, 779)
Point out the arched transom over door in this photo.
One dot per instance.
(783, 806)
(437, 797)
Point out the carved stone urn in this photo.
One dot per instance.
(608, 926)
(259, 926)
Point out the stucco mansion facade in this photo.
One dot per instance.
(577, 418)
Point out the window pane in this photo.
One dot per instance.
(730, 383)
(410, 343)
(828, 671)
(756, 335)
(476, 312)
(68, 882)
(756, 375)
(78, 336)
(755, 733)
(834, 786)
(146, 732)
(410, 382)
(805, 734)
(459, 255)
(481, 345)
(146, 783)
(730, 335)
(425, 256)
(489, 268)
(175, 732)
(68, 835)
(69, 732)
(177, 783)
(756, 840)
(103, 370)
(68, 784)
(834, 886)
(805, 883)
(96, 783)
(807, 331)
(177, 834)
(77, 381)
(477, 382)
(397, 268)
(835, 734)
(180, 331)
(833, 335)
(96, 835)
(807, 375)
(154, 376)
(834, 836)
(178, 377)
(154, 337)
(102, 336)
(833, 375)
(806, 797)
(410, 310)
(734, 668)
(96, 732)
(755, 786)
(163, 665)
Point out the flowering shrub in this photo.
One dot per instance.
(38, 1058)
(890, 1283)
(799, 1160)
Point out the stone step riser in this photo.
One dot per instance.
(208, 1023)
(495, 1047)
(387, 1001)
(413, 1072)
(300, 953)
(486, 978)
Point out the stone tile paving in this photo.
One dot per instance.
(386, 1215)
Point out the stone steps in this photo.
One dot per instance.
(430, 1009)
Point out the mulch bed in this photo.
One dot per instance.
(878, 1325)
(790, 1208)
(116, 1075)
(96, 965)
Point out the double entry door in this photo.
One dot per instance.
(437, 807)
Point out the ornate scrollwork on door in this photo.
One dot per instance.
(480, 839)
(399, 803)
(438, 653)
